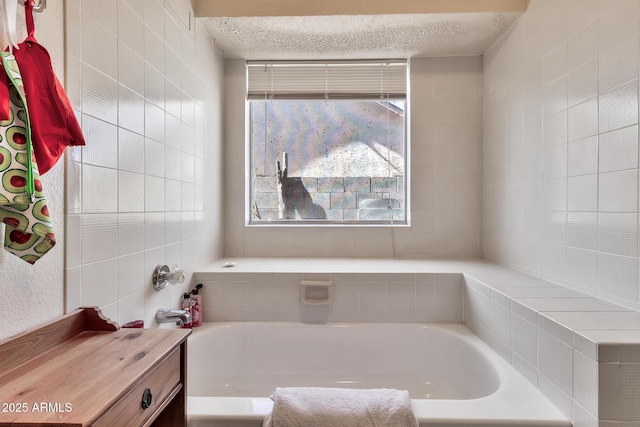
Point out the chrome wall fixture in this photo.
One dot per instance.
(163, 276)
(38, 7)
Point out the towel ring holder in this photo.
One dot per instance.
(40, 7)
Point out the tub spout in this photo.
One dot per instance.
(168, 315)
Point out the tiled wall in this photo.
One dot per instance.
(560, 188)
(34, 294)
(539, 349)
(147, 83)
(356, 297)
(581, 352)
(446, 137)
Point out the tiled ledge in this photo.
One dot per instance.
(596, 325)
(332, 265)
(363, 290)
(580, 351)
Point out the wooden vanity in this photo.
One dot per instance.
(84, 370)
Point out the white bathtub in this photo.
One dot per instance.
(453, 378)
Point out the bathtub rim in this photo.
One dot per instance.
(516, 400)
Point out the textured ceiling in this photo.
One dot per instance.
(358, 36)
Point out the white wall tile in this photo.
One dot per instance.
(99, 189)
(173, 195)
(554, 62)
(99, 237)
(173, 227)
(582, 193)
(101, 138)
(555, 161)
(154, 17)
(130, 233)
(554, 194)
(73, 240)
(154, 230)
(173, 166)
(96, 35)
(619, 107)
(500, 323)
(154, 85)
(95, 290)
(617, 24)
(618, 150)
(130, 26)
(154, 158)
(73, 187)
(582, 268)
(188, 225)
(130, 110)
(618, 233)
(583, 44)
(582, 83)
(130, 192)
(425, 292)
(172, 92)
(583, 418)
(586, 381)
(99, 95)
(609, 388)
(618, 276)
(555, 128)
(153, 49)
(583, 120)
(555, 96)
(554, 262)
(583, 156)
(618, 191)
(130, 151)
(131, 274)
(524, 339)
(629, 377)
(619, 64)
(131, 308)
(119, 195)
(582, 230)
(154, 118)
(556, 361)
(554, 226)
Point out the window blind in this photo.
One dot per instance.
(311, 80)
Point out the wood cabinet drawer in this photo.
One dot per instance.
(129, 410)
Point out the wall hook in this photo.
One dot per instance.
(38, 7)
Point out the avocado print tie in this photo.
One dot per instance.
(23, 209)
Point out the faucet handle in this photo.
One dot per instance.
(162, 276)
(176, 276)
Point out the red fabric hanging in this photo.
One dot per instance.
(5, 109)
(53, 122)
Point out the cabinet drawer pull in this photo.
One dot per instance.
(147, 397)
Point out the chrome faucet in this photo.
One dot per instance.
(169, 315)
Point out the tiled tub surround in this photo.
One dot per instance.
(583, 353)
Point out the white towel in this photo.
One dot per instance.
(340, 407)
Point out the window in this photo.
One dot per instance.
(328, 142)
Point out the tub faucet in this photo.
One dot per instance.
(168, 315)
